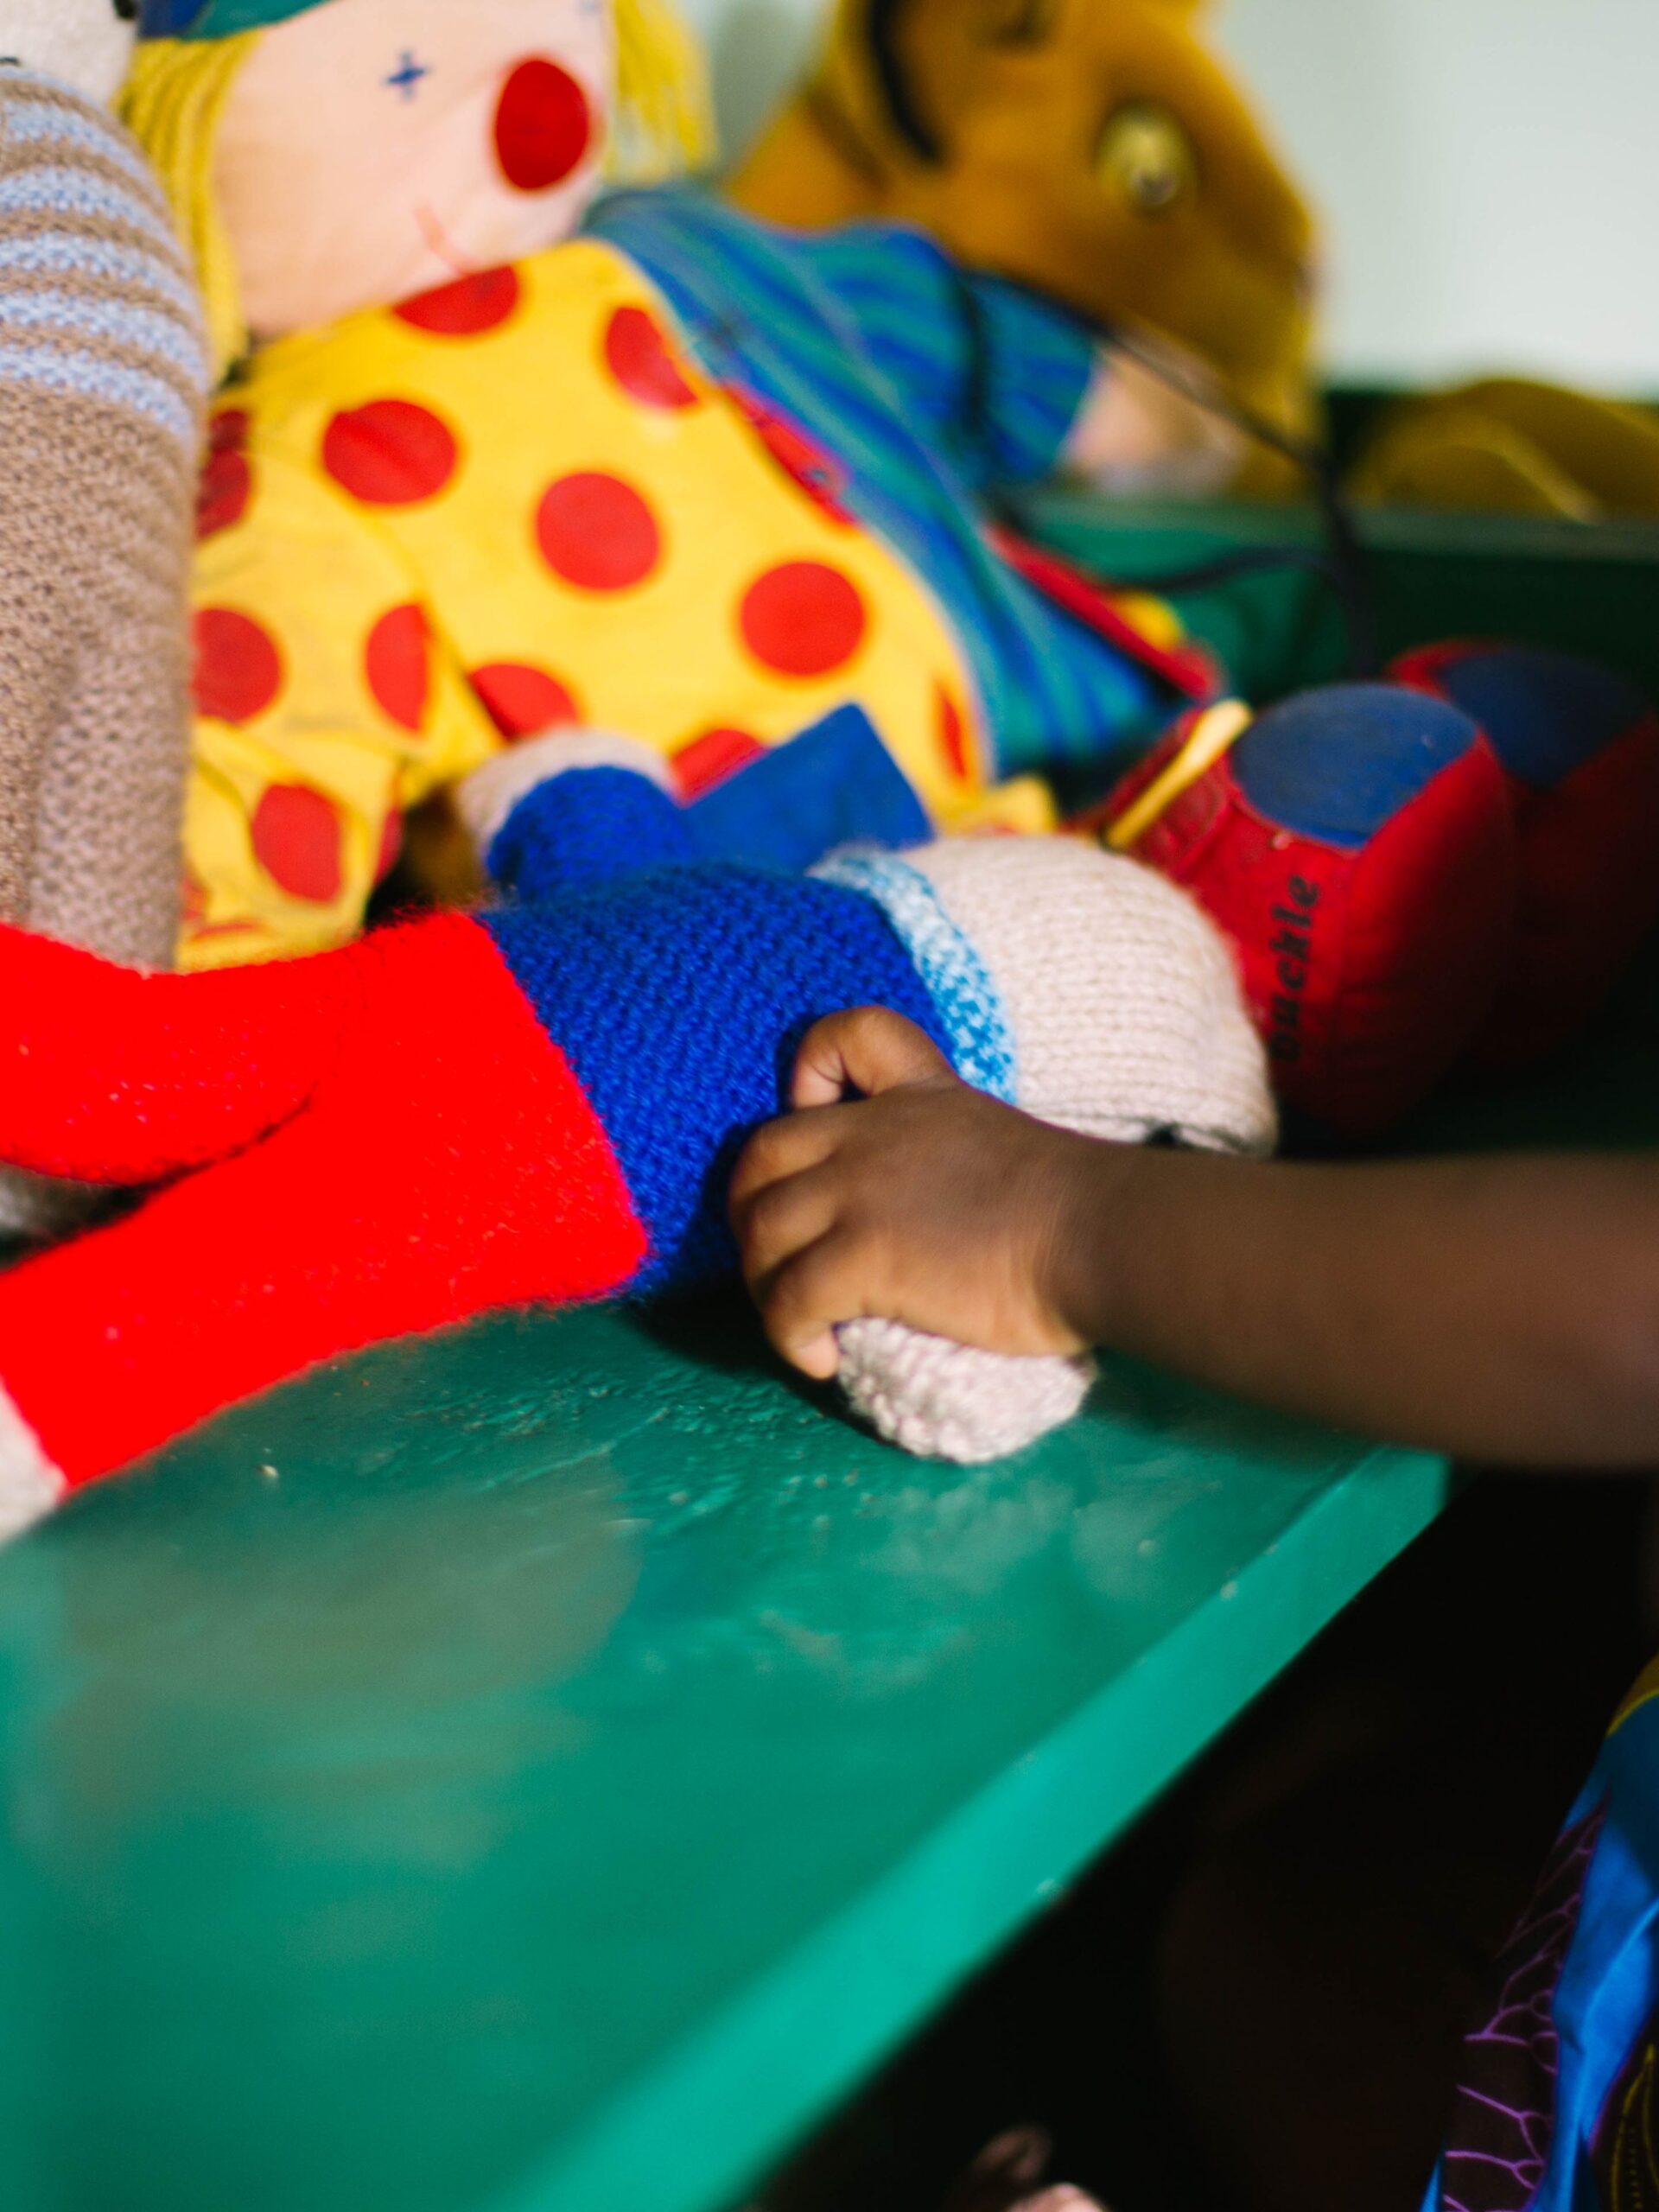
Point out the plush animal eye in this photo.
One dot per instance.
(126, 10)
(1018, 23)
(1146, 155)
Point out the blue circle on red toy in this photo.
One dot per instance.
(1336, 764)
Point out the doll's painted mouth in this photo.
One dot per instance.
(438, 242)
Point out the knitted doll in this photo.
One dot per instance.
(647, 464)
(576, 1072)
(103, 377)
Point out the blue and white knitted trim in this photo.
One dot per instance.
(971, 1009)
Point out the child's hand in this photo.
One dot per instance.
(925, 1203)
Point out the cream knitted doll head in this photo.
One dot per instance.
(332, 156)
(87, 44)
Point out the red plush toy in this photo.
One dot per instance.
(1461, 859)
(1356, 846)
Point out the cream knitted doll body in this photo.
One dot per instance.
(103, 380)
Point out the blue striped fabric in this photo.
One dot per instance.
(922, 319)
(761, 310)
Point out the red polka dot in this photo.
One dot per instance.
(544, 126)
(710, 758)
(953, 736)
(297, 840)
(598, 533)
(390, 453)
(466, 307)
(521, 701)
(239, 669)
(391, 847)
(638, 353)
(803, 619)
(397, 664)
(226, 483)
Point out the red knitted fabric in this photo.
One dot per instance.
(431, 1158)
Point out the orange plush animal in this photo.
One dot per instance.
(1097, 150)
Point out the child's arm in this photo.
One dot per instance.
(1504, 1308)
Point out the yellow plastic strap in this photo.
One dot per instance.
(1213, 737)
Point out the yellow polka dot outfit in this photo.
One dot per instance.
(540, 496)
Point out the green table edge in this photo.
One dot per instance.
(870, 1977)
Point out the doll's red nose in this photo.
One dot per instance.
(544, 126)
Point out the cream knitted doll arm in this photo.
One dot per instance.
(102, 376)
(944, 1400)
(1123, 1017)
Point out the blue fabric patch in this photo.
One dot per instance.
(1546, 713)
(836, 784)
(587, 827)
(680, 1002)
(1337, 764)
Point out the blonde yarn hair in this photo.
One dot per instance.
(174, 103)
(176, 98)
(664, 106)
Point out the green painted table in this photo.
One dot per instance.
(543, 1770)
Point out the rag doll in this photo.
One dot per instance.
(576, 1069)
(1097, 151)
(498, 459)
(103, 381)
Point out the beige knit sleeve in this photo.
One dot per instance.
(103, 371)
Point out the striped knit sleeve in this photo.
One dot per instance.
(97, 300)
(996, 374)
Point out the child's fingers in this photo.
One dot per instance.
(868, 1050)
(809, 1297)
(783, 1219)
(792, 1146)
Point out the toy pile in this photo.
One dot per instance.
(666, 547)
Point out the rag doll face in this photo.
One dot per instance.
(371, 149)
(86, 43)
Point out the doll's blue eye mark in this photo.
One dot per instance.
(408, 77)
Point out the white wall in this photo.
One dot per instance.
(1489, 169)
